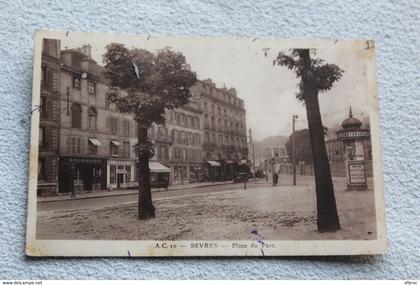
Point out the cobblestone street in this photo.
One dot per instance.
(223, 212)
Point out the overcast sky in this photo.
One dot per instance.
(268, 92)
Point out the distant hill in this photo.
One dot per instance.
(266, 142)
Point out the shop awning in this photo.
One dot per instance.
(213, 163)
(116, 143)
(158, 168)
(95, 142)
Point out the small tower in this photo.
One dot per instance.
(353, 136)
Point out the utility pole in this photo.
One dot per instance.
(293, 151)
(266, 170)
(253, 152)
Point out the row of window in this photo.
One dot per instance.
(76, 121)
(116, 148)
(186, 154)
(76, 117)
(91, 85)
(223, 125)
(222, 140)
(183, 137)
(222, 95)
(184, 120)
(226, 113)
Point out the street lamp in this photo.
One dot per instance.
(266, 170)
(293, 151)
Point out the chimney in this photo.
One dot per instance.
(87, 50)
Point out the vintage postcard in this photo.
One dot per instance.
(195, 146)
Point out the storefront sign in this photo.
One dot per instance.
(353, 134)
(80, 160)
(357, 174)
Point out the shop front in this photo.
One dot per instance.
(81, 174)
(185, 173)
(120, 174)
(159, 175)
(213, 170)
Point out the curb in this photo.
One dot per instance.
(135, 192)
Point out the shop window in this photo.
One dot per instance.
(76, 145)
(112, 174)
(92, 88)
(92, 113)
(76, 116)
(76, 82)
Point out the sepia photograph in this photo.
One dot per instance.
(146, 145)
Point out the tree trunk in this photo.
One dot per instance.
(146, 210)
(327, 216)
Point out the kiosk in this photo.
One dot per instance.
(353, 136)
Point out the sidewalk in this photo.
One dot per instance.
(122, 192)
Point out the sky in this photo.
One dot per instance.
(268, 91)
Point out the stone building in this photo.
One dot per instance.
(49, 118)
(87, 144)
(224, 129)
(178, 144)
(96, 140)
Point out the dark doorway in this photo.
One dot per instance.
(120, 179)
(86, 173)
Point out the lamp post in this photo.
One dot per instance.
(266, 170)
(293, 151)
(253, 152)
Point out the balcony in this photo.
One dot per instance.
(207, 145)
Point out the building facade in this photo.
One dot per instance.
(224, 128)
(48, 143)
(178, 144)
(96, 140)
(86, 144)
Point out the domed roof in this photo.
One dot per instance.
(351, 122)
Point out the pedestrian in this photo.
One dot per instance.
(275, 178)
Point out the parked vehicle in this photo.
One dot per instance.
(259, 174)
